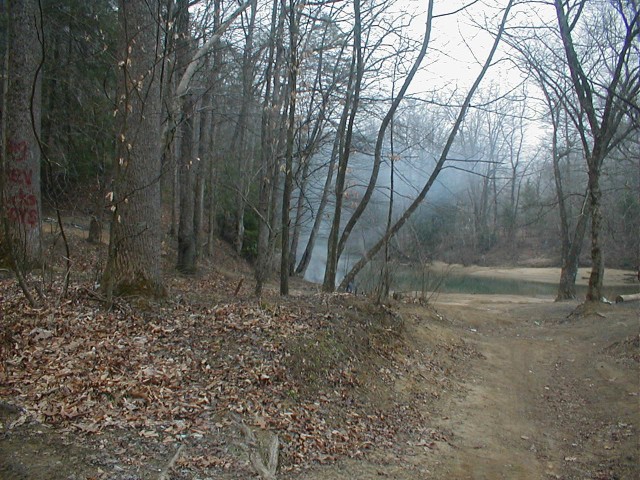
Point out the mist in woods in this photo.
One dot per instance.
(319, 138)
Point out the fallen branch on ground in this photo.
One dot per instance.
(628, 298)
(256, 456)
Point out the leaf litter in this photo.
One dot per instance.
(173, 372)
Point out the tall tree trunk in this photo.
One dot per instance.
(187, 150)
(571, 246)
(21, 198)
(189, 166)
(570, 261)
(211, 126)
(238, 147)
(305, 260)
(596, 277)
(270, 144)
(285, 259)
(169, 179)
(134, 263)
(204, 178)
(353, 98)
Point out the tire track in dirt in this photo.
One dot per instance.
(496, 428)
(546, 403)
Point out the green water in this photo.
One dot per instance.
(453, 283)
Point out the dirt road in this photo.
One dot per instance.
(553, 396)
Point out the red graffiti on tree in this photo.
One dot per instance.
(22, 208)
(20, 176)
(22, 203)
(17, 150)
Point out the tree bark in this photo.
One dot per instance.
(211, 127)
(269, 143)
(21, 198)
(596, 278)
(189, 166)
(239, 139)
(571, 246)
(186, 149)
(134, 263)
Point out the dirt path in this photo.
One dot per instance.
(554, 397)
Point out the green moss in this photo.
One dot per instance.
(142, 287)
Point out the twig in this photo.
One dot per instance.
(235, 294)
(169, 466)
(67, 257)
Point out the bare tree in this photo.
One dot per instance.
(239, 145)
(186, 147)
(294, 18)
(353, 100)
(184, 121)
(571, 239)
(606, 93)
(369, 254)
(338, 141)
(270, 145)
(386, 121)
(539, 59)
(311, 132)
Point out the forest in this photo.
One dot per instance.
(320, 138)
(226, 226)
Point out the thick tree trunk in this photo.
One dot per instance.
(21, 199)
(614, 97)
(134, 263)
(186, 148)
(571, 247)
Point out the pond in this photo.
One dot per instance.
(451, 281)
